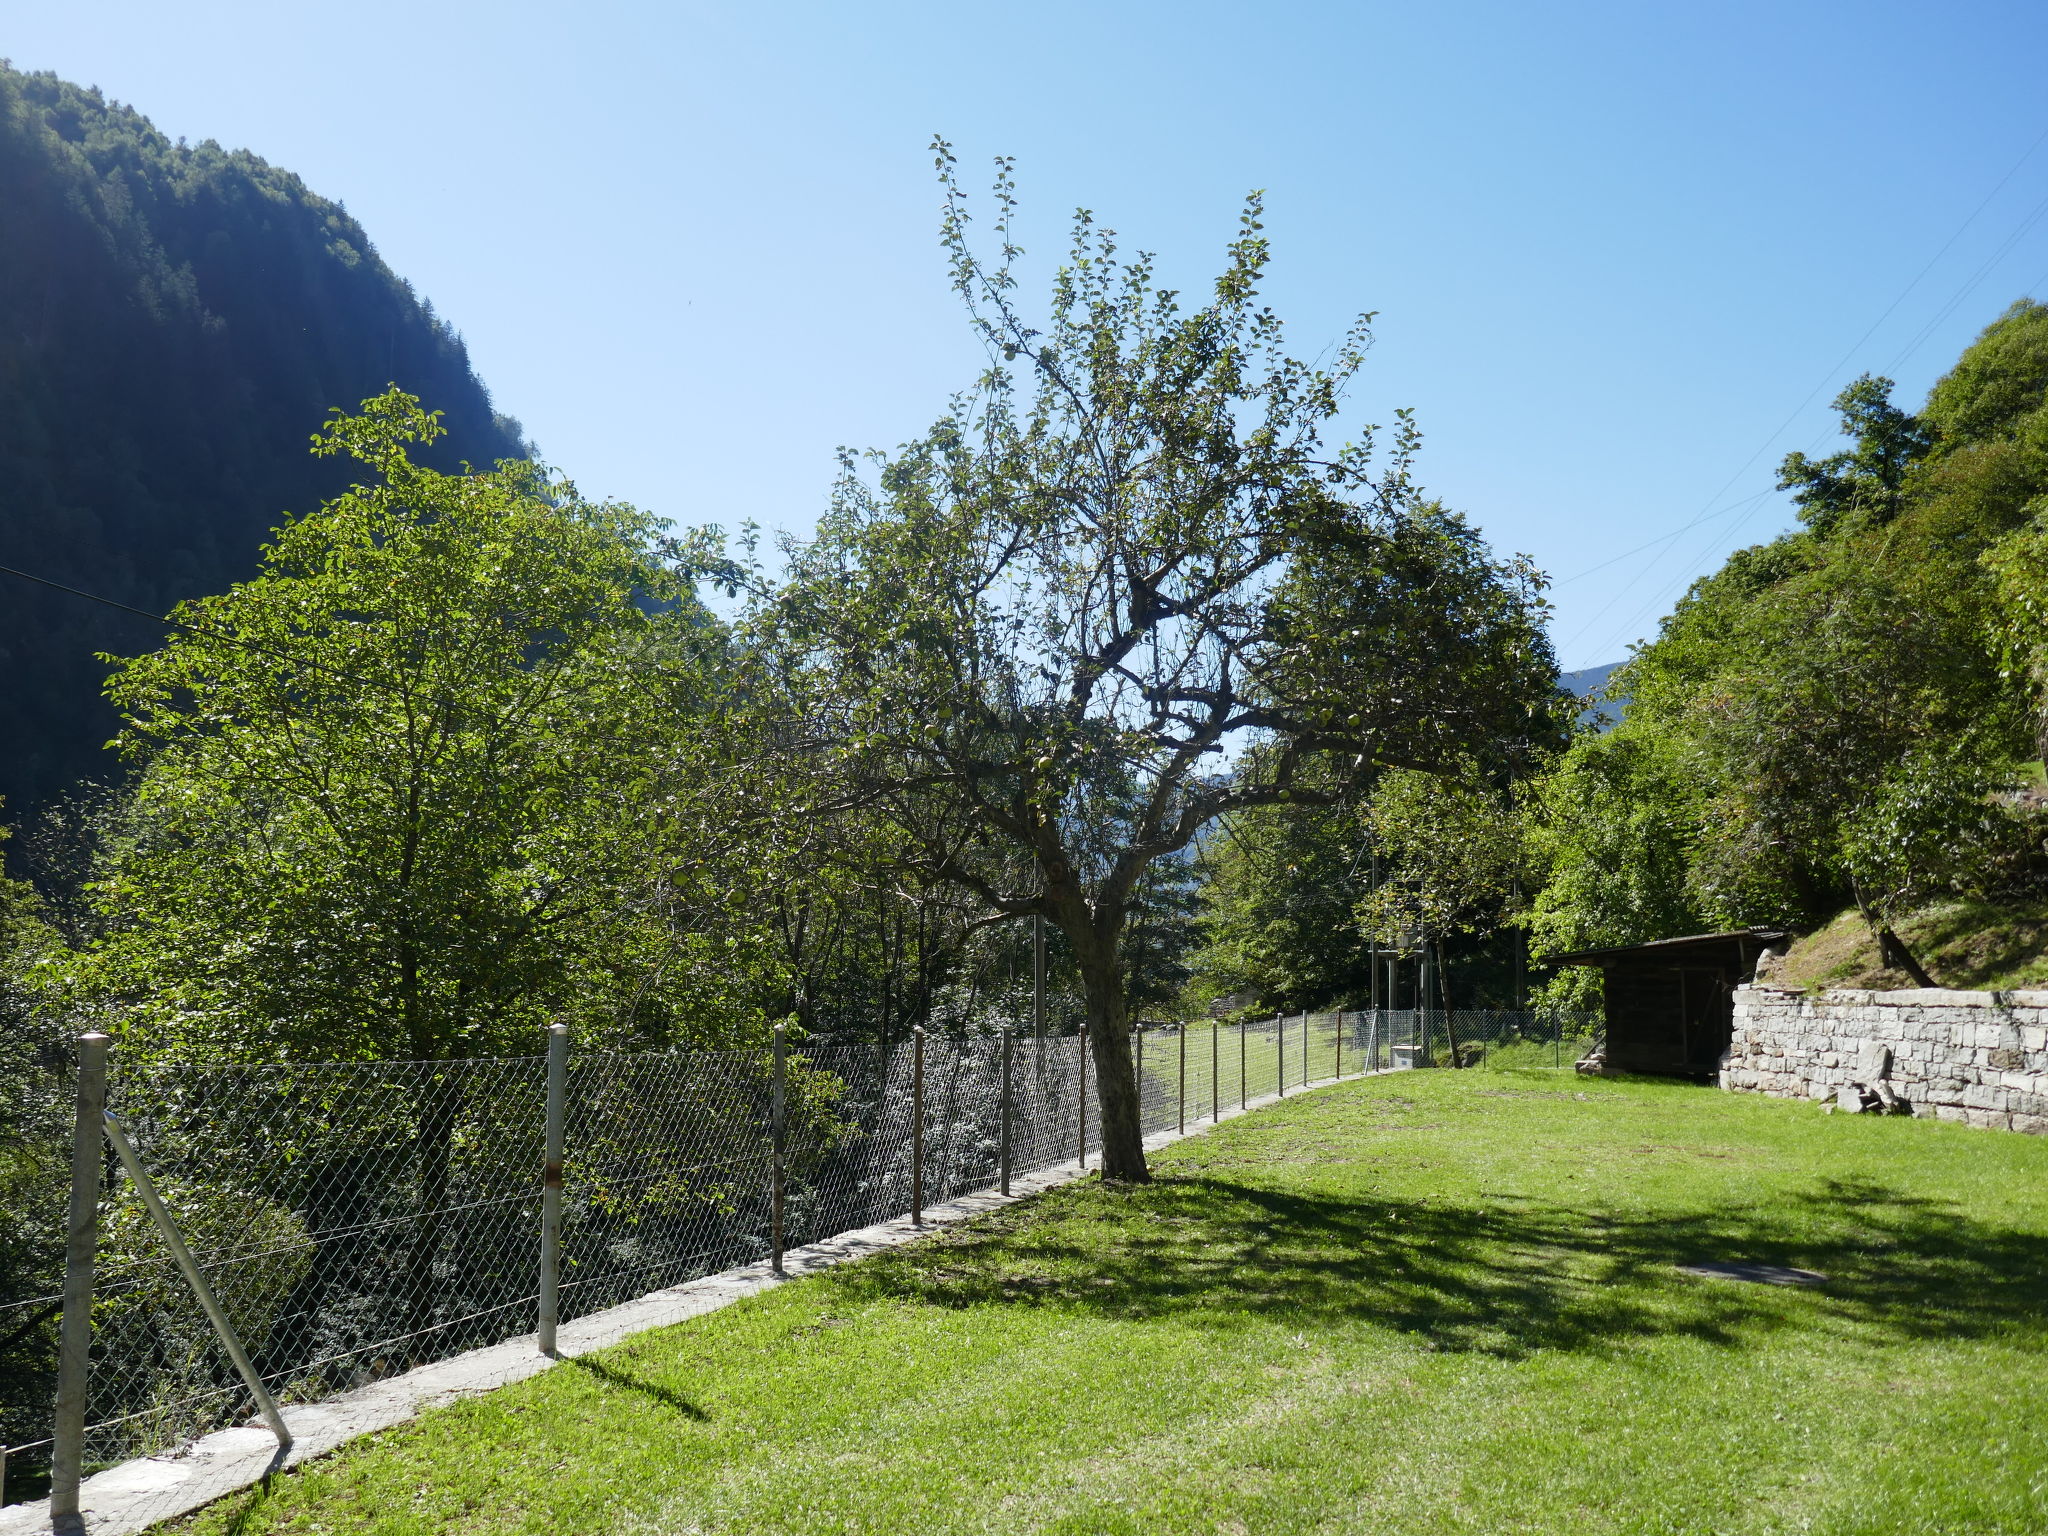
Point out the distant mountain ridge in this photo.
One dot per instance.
(175, 323)
(1605, 710)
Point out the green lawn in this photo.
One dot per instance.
(1432, 1302)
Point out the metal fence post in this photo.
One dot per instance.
(557, 1091)
(1279, 1055)
(1304, 1048)
(81, 1242)
(778, 1130)
(1003, 1142)
(1215, 1075)
(1244, 1094)
(194, 1277)
(1340, 1042)
(1181, 1126)
(1081, 1105)
(917, 1126)
(1138, 1075)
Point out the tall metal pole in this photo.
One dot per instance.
(1521, 956)
(917, 1126)
(1425, 988)
(195, 1277)
(1244, 1095)
(1340, 1042)
(1081, 1106)
(779, 1131)
(1279, 1055)
(1038, 975)
(1004, 1143)
(1038, 1010)
(81, 1242)
(1215, 1075)
(1374, 999)
(1181, 1126)
(551, 1186)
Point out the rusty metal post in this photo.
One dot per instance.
(557, 1092)
(81, 1245)
(917, 1126)
(778, 1131)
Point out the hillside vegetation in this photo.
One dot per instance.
(1849, 715)
(1971, 944)
(175, 322)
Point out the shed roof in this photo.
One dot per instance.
(1695, 946)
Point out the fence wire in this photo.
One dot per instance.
(357, 1220)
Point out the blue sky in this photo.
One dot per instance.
(1622, 255)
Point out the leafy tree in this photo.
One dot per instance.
(1161, 935)
(1032, 637)
(1867, 481)
(1835, 717)
(34, 1157)
(1280, 885)
(423, 784)
(1611, 833)
(1455, 848)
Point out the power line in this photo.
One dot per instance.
(2025, 227)
(1708, 512)
(1662, 538)
(194, 629)
(342, 673)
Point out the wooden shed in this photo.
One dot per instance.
(1671, 1002)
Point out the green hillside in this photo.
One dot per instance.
(1851, 715)
(175, 321)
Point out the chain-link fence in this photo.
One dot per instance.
(356, 1220)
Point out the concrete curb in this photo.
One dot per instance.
(138, 1494)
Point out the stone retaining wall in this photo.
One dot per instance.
(1977, 1057)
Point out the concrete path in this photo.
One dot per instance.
(140, 1493)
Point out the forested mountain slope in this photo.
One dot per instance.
(175, 322)
(1851, 715)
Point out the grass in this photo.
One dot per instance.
(1432, 1302)
(1968, 944)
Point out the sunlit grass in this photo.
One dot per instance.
(1432, 1302)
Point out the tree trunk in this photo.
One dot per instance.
(1116, 1072)
(1892, 952)
(1891, 949)
(1443, 987)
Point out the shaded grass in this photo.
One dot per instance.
(1434, 1302)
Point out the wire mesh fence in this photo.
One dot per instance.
(357, 1220)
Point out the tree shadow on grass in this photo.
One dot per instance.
(612, 1376)
(1502, 1279)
